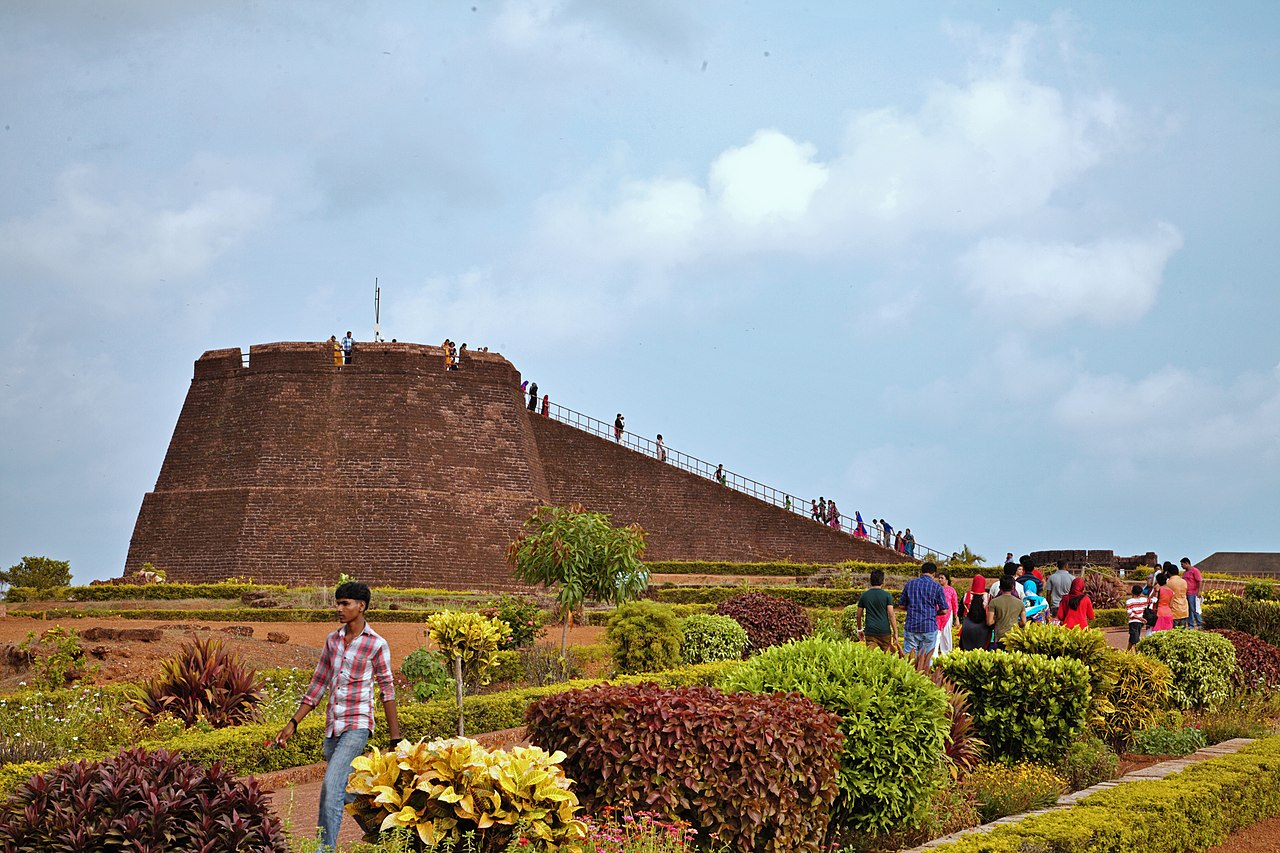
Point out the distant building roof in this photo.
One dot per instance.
(1241, 563)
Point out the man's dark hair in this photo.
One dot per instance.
(1136, 590)
(1027, 563)
(928, 568)
(1010, 569)
(1171, 570)
(1006, 583)
(1186, 560)
(877, 577)
(1062, 564)
(353, 590)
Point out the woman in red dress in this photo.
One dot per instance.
(1076, 610)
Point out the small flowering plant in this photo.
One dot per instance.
(521, 614)
(617, 831)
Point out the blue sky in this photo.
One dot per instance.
(1003, 276)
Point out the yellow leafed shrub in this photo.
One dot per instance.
(445, 788)
(470, 636)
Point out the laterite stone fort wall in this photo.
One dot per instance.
(292, 469)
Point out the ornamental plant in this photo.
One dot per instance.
(57, 658)
(708, 637)
(1159, 740)
(445, 790)
(1028, 707)
(522, 615)
(1257, 661)
(767, 619)
(1088, 761)
(1259, 618)
(1201, 662)
(426, 675)
(1003, 790)
(206, 682)
(583, 555)
(1089, 646)
(1139, 692)
(470, 636)
(753, 772)
(148, 802)
(895, 722)
(644, 637)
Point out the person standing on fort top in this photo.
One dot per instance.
(533, 396)
(619, 423)
(353, 660)
(908, 543)
(720, 477)
(815, 513)
(462, 350)
(662, 449)
(822, 510)
(546, 405)
(897, 542)
(337, 349)
(347, 343)
(833, 516)
(887, 529)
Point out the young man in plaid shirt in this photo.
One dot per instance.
(354, 657)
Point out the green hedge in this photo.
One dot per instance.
(148, 592)
(1191, 810)
(803, 595)
(245, 750)
(224, 614)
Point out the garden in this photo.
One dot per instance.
(747, 721)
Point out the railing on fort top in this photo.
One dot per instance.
(731, 479)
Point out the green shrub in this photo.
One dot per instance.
(1259, 618)
(1246, 713)
(521, 614)
(1159, 740)
(147, 592)
(849, 622)
(1088, 761)
(470, 636)
(644, 637)
(1089, 646)
(1192, 810)
(1138, 694)
(154, 800)
(1259, 591)
(56, 657)
(803, 596)
(708, 637)
(1201, 662)
(754, 772)
(1026, 707)
(205, 682)
(887, 710)
(768, 620)
(545, 664)
(427, 677)
(1001, 790)
(226, 614)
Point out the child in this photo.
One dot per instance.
(1136, 604)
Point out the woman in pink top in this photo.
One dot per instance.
(944, 644)
(1076, 610)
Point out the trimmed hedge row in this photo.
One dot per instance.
(149, 592)
(802, 595)
(1191, 810)
(244, 748)
(225, 614)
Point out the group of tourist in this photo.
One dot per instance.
(452, 354)
(1170, 599)
(342, 348)
(532, 391)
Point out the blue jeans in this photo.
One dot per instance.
(339, 751)
(1193, 612)
(919, 643)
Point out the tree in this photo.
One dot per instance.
(965, 557)
(581, 552)
(38, 572)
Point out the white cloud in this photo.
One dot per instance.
(771, 178)
(972, 157)
(86, 240)
(1107, 281)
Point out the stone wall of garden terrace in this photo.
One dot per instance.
(287, 468)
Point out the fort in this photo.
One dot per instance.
(287, 468)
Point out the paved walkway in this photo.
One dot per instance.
(1155, 771)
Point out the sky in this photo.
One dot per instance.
(1003, 273)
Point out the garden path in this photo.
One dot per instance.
(1155, 771)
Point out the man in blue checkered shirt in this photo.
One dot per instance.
(924, 601)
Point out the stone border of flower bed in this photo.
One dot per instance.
(970, 839)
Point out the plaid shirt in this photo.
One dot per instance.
(348, 673)
(925, 601)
